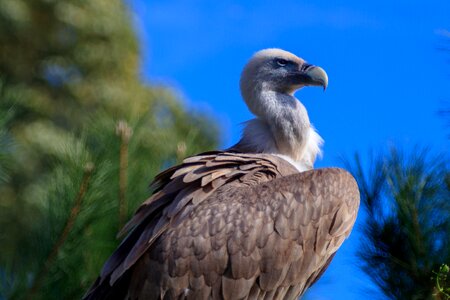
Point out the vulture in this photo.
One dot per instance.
(255, 221)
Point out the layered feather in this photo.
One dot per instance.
(227, 225)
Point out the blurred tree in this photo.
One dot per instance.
(80, 138)
(408, 221)
(6, 147)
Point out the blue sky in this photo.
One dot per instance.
(387, 78)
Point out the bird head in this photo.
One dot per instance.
(279, 71)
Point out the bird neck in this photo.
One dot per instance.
(288, 121)
(282, 127)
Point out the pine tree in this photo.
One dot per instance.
(406, 198)
(81, 136)
(6, 147)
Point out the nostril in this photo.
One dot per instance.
(305, 67)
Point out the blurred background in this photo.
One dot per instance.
(98, 96)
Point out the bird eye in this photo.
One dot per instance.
(281, 62)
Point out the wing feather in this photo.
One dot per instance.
(230, 226)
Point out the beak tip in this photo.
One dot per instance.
(318, 76)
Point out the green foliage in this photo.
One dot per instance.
(6, 147)
(408, 224)
(442, 279)
(80, 138)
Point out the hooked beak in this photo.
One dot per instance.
(312, 76)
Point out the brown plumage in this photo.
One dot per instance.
(227, 225)
(232, 225)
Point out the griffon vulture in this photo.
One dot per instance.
(255, 221)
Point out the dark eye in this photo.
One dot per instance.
(282, 62)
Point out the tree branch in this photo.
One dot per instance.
(124, 132)
(88, 169)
